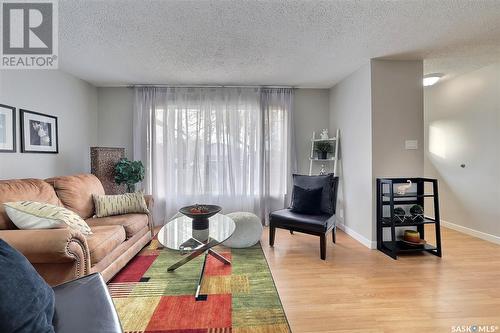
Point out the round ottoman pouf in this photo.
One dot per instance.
(248, 230)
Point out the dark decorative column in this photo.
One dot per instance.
(102, 165)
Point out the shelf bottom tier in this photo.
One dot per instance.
(400, 246)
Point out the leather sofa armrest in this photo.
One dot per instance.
(43, 246)
(150, 203)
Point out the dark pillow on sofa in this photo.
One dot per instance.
(307, 200)
(26, 300)
(327, 182)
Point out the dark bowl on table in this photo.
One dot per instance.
(208, 211)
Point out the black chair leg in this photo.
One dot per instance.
(291, 232)
(272, 233)
(334, 235)
(322, 245)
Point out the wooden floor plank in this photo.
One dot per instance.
(362, 290)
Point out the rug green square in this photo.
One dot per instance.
(144, 286)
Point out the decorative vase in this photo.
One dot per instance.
(130, 188)
(323, 155)
(103, 161)
(324, 134)
(200, 219)
(323, 170)
(200, 223)
(201, 235)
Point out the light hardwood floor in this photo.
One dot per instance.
(362, 290)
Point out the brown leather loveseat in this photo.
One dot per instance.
(64, 254)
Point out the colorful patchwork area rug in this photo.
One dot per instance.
(242, 297)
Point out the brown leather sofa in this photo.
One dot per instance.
(61, 255)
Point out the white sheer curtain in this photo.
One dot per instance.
(278, 160)
(225, 146)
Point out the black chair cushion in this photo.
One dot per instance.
(306, 201)
(85, 306)
(329, 185)
(313, 223)
(26, 300)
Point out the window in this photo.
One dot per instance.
(216, 145)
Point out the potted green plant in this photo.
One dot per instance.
(129, 173)
(323, 148)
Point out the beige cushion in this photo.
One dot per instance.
(104, 240)
(37, 215)
(133, 223)
(109, 205)
(76, 192)
(21, 190)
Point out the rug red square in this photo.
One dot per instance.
(171, 313)
(215, 267)
(134, 271)
(201, 330)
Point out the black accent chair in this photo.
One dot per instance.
(313, 224)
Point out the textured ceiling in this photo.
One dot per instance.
(298, 43)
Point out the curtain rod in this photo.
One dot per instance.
(203, 86)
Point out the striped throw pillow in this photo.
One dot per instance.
(108, 205)
(37, 215)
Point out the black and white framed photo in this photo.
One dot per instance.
(7, 129)
(38, 133)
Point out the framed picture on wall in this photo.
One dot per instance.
(38, 133)
(7, 129)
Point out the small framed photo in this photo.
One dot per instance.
(7, 129)
(38, 133)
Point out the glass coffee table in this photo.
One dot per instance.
(194, 239)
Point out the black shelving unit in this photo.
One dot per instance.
(386, 196)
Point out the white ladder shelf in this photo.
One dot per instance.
(314, 159)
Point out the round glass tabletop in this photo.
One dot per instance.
(181, 234)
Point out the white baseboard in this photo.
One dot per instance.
(357, 236)
(471, 232)
(373, 244)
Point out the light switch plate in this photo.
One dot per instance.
(411, 144)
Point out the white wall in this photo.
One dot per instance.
(311, 114)
(376, 108)
(462, 126)
(397, 116)
(116, 119)
(115, 123)
(350, 111)
(56, 93)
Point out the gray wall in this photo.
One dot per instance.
(116, 119)
(311, 114)
(397, 116)
(376, 109)
(115, 123)
(56, 93)
(350, 111)
(462, 125)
